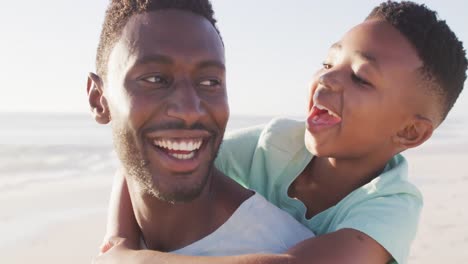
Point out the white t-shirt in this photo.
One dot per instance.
(257, 226)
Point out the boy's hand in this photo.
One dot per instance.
(110, 242)
(115, 250)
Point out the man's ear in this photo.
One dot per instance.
(415, 133)
(97, 100)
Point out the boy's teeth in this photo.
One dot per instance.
(320, 107)
(184, 145)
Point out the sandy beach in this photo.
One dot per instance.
(53, 197)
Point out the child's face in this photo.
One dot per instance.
(364, 94)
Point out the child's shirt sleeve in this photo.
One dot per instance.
(390, 220)
(236, 154)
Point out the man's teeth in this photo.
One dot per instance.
(183, 156)
(186, 145)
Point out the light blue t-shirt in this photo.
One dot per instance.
(268, 159)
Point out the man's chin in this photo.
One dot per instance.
(179, 197)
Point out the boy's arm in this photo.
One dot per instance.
(346, 246)
(121, 220)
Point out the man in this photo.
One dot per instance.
(160, 82)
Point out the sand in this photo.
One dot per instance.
(443, 231)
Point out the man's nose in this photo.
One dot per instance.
(185, 103)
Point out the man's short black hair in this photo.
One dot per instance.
(119, 12)
(443, 56)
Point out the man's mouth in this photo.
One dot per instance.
(182, 149)
(321, 116)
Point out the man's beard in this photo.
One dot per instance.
(136, 166)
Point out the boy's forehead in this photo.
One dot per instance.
(379, 41)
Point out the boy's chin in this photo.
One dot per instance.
(316, 149)
(311, 145)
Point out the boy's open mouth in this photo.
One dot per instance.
(322, 116)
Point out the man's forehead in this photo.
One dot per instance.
(172, 34)
(170, 25)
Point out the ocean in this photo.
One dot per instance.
(39, 147)
(53, 129)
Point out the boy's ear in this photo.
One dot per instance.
(415, 133)
(97, 100)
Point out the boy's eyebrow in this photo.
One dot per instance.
(361, 54)
(367, 57)
(336, 45)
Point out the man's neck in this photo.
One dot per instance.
(167, 227)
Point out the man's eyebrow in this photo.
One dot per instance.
(153, 58)
(162, 59)
(211, 63)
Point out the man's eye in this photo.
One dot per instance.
(210, 83)
(326, 65)
(155, 79)
(359, 80)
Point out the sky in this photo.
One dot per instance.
(48, 47)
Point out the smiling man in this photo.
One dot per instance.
(160, 82)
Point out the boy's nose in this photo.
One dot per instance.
(331, 80)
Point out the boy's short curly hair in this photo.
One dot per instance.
(443, 56)
(119, 12)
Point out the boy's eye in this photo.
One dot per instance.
(326, 65)
(359, 80)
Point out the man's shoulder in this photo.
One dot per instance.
(255, 227)
(261, 213)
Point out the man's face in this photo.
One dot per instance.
(167, 99)
(364, 93)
